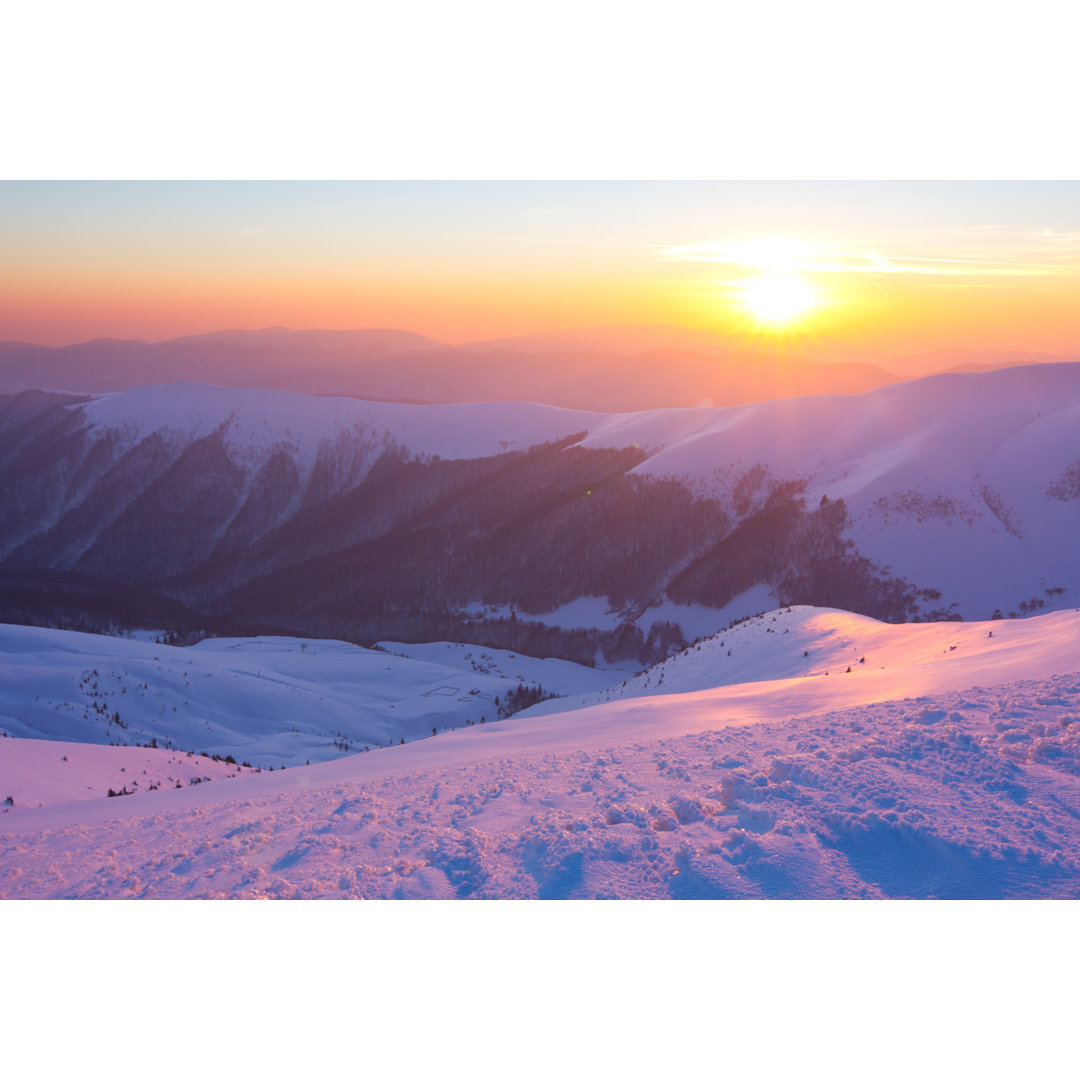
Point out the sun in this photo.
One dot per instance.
(778, 299)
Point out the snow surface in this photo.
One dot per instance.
(266, 700)
(809, 642)
(39, 772)
(256, 421)
(553, 674)
(947, 764)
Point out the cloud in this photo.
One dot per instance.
(1047, 254)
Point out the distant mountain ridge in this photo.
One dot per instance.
(274, 357)
(607, 369)
(624, 368)
(941, 361)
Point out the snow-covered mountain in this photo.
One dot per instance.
(945, 765)
(268, 511)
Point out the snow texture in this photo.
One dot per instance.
(270, 701)
(944, 763)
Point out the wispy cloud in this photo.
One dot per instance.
(781, 255)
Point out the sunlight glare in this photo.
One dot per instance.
(777, 299)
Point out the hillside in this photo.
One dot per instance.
(260, 511)
(267, 701)
(809, 643)
(44, 772)
(948, 773)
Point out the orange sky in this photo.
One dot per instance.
(894, 267)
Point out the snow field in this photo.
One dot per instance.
(802, 642)
(965, 795)
(949, 769)
(40, 772)
(269, 701)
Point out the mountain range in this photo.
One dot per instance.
(955, 496)
(613, 369)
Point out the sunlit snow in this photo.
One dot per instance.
(945, 762)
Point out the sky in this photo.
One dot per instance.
(893, 267)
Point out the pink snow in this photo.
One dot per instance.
(947, 764)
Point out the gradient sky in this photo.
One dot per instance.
(894, 266)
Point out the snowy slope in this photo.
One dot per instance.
(949, 480)
(966, 485)
(270, 701)
(938, 428)
(953, 481)
(39, 772)
(557, 676)
(807, 642)
(928, 771)
(256, 422)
